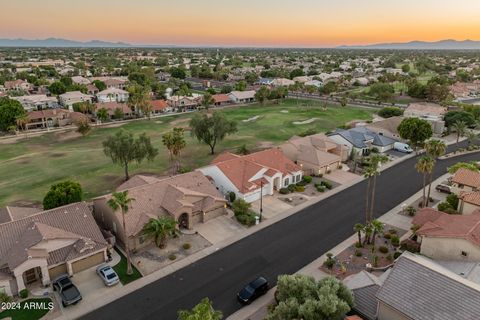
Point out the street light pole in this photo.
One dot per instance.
(261, 200)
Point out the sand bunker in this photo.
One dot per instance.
(305, 122)
(251, 119)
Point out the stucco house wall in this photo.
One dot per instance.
(449, 249)
(385, 312)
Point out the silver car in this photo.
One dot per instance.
(108, 275)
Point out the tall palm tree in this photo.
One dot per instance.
(373, 171)
(377, 228)
(358, 228)
(120, 200)
(424, 166)
(435, 148)
(160, 229)
(459, 127)
(368, 232)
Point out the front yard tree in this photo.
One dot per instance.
(262, 95)
(211, 129)
(10, 110)
(102, 114)
(435, 148)
(301, 297)
(62, 193)
(174, 141)
(472, 166)
(381, 91)
(202, 311)
(459, 127)
(371, 174)
(123, 148)
(377, 228)
(160, 229)
(425, 166)
(415, 130)
(207, 100)
(120, 200)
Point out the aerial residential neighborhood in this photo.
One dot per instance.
(242, 161)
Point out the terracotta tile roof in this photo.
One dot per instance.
(158, 105)
(472, 197)
(112, 106)
(73, 221)
(219, 98)
(425, 215)
(157, 197)
(467, 178)
(241, 169)
(48, 113)
(454, 226)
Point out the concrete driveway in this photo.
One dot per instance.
(342, 177)
(219, 229)
(271, 206)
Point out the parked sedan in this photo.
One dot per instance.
(108, 275)
(443, 188)
(67, 290)
(253, 290)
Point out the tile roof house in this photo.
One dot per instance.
(431, 112)
(160, 106)
(67, 99)
(448, 237)
(182, 103)
(465, 180)
(189, 198)
(221, 99)
(18, 84)
(38, 246)
(316, 154)
(50, 118)
(111, 107)
(387, 127)
(362, 140)
(37, 102)
(469, 202)
(465, 90)
(245, 175)
(417, 288)
(242, 96)
(113, 94)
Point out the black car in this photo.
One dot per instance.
(253, 290)
(67, 290)
(443, 188)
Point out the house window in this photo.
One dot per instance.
(287, 182)
(464, 253)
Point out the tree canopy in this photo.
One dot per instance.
(62, 193)
(212, 129)
(415, 130)
(123, 148)
(202, 311)
(10, 110)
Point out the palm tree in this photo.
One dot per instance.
(471, 137)
(460, 127)
(372, 172)
(160, 229)
(120, 200)
(202, 311)
(358, 228)
(425, 166)
(435, 148)
(368, 232)
(22, 121)
(377, 228)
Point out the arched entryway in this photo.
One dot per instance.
(183, 222)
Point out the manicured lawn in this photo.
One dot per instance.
(31, 313)
(28, 168)
(121, 270)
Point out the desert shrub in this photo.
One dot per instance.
(307, 179)
(284, 191)
(443, 206)
(326, 184)
(374, 150)
(358, 253)
(299, 188)
(232, 196)
(375, 261)
(389, 258)
(383, 249)
(186, 246)
(320, 188)
(411, 211)
(410, 245)
(397, 254)
(23, 293)
(330, 262)
(358, 244)
(387, 235)
(395, 240)
(248, 219)
(452, 199)
(5, 297)
(291, 188)
(172, 257)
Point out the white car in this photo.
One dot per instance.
(108, 275)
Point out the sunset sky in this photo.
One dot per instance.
(287, 23)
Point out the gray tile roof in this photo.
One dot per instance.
(365, 301)
(4, 215)
(423, 290)
(358, 136)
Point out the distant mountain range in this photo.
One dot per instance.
(422, 45)
(61, 43)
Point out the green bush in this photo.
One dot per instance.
(410, 245)
(284, 191)
(291, 187)
(389, 258)
(358, 253)
(358, 244)
(172, 257)
(23, 293)
(184, 170)
(443, 206)
(389, 112)
(326, 184)
(383, 249)
(241, 207)
(330, 262)
(248, 219)
(395, 240)
(375, 261)
(452, 199)
(232, 196)
(374, 150)
(320, 188)
(397, 254)
(5, 297)
(411, 211)
(186, 246)
(307, 179)
(301, 183)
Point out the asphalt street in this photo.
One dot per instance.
(282, 248)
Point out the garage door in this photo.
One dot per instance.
(88, 262)
(56, 271)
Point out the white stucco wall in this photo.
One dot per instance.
(449, 249)
(221, 181)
